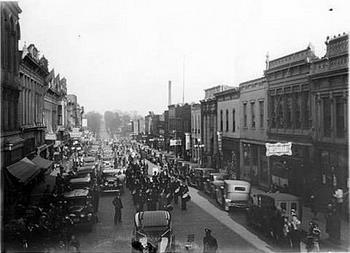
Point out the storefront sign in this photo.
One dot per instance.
(219, 141)
(278, 149)
(84, 122)
(175, 142)
(187, 141)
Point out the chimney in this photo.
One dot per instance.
(169, 93)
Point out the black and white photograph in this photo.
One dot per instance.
(188, 126)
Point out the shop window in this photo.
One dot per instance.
(279, 116)
(340, 122)
(283, 205)
(327, 117)
(297, 111)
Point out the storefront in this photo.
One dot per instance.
(230, 156)
(293, 173)
(254, 163)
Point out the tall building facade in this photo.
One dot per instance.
(33, 73)
(329, 78)
(209, 126)
(253, 126)
(11, 141)
(195, 132)
(290, 118)
(228, 111)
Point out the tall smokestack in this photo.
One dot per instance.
(169, 93)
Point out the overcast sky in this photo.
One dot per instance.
(120, 54)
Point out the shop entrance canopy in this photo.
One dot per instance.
(24, 170)
(41, 162)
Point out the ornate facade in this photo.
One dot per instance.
(33, 74)
(329, 78)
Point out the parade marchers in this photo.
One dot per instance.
(51, 222)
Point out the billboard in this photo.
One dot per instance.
(187, 141)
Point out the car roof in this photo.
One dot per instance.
(76, 193)
(152, 218)
(206, 169)
(237, 182)
(81, 179)
(111, 170)
(89, 159)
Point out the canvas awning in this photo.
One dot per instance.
(24, 170)
(41, 162)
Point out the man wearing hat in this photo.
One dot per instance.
(210, 244)
(118, 205)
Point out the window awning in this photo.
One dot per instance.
(24, 170)
(41, 162)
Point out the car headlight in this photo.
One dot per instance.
(89, 214)
(82, 215)
(106, 183)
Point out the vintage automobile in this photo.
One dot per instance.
(263, 205)
(153, 232)
(81, 182)
(80, 208)
(88, 161)
(233, 193)
(199, 176)
(111, 181)
(84, 171)
(215, 179)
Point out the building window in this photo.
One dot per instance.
(288, 111)
(297, 111)
(327, 117)
(273, 112)
(233, 120)
(340, 121)
(306, 109)
(226, 120)
(221, 122)
(261, 107)
(279, 117)
(252, 107)
(245, 115)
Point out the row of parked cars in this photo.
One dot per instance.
(227, 193)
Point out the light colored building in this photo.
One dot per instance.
(195, 132)
(33, 72)
(253, 127)
(228, 112)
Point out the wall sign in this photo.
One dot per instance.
(278, 149)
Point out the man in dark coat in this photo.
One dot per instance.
(118, 205)
(184, 192)
(210, 244)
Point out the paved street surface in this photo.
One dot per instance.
(107, 237)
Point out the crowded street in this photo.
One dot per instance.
(183, 126)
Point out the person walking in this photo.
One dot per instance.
(184, 196)
(74, 244)
(210, 244)
(118, 205)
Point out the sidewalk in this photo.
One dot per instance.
(307, 216)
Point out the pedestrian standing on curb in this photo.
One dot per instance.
(74, 244)
(210, 244)
(339, 196)
(118, 205)
(313, 206)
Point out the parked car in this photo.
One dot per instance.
(234, 193)
(81, 182)
(80, 208)
(89, 160)
(153, 231)
(212, 181)
(111, 181)
(198, 176)
(83, 171)
(262, 206)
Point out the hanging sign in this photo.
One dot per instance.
(187, 141)
(278, 149)
(175, 142)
